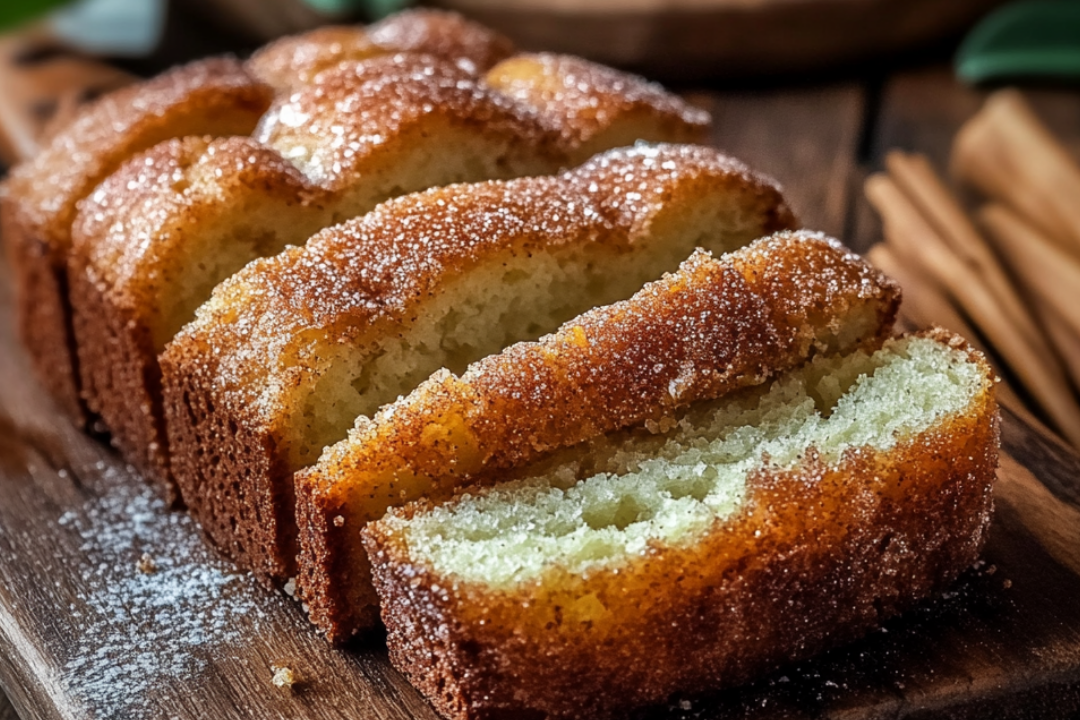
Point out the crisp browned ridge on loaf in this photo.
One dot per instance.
(714, 326)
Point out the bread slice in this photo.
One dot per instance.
(293, 62)
(713, 327)
(287, 353)
(159, 234)
(594, 106)
(149, 247)
(754, 530)
(209, 97)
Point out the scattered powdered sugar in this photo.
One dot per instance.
(140, 631)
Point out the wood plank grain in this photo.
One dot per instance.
(805, 138)
(921, 111)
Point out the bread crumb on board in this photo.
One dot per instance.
(146, 564)
(284, 676)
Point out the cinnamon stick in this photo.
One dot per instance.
(1042, 266)
(925, 304)
(1006, 152)
(919, 244)
(916, 177)
(1050, 275)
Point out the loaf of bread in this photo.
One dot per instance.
(211, 97)
(160, 233)
(292, 349)
(696, 554)
(713, 327)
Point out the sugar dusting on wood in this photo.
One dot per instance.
(142, 631)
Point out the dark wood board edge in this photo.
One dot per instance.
(7, 711)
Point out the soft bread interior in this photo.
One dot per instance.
(506, 300)
(602, 505)
(260, 226)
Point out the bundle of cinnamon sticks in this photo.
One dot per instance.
(1010, 276)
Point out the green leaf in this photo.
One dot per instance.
(1037, 38)
(370, 8)
(17, 12)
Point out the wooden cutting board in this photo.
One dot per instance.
(86, 633)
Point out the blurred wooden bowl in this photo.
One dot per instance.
(725, 38)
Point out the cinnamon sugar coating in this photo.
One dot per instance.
(239, 379)
(292, 62)
(596, 106)
(443, 34)
(169, 225)
(714, 326)
(328, 129)
(816, 556)
(215, 97)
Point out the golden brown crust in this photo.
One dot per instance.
(292, 62)
(231, 375)
(817, 556)
(595, 106)
(127, 241)
(444, 34)
(331, 129)
(715, 326)
(208, 97)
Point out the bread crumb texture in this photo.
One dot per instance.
(672, 487)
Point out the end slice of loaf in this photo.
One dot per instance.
(755, 530)
(149, 246)
(714, 326)
(291, 350)
(292, 62)
(214, 97)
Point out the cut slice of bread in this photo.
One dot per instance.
(713, 327)
(161, 232)
(294, 61)
(755, 530)
(290, 351)
(209, 97)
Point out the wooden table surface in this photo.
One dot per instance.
(1006, 641)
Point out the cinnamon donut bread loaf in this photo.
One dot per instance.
(696, 554)
(713, 327)
(211, 97)
(291, 350)
(162, 231)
